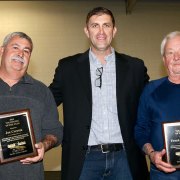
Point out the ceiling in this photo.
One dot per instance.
(130, 4)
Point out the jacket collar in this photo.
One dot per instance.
(84, 74)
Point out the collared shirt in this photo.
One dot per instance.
(30, 94)
(105, 126)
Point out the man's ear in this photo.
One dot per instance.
(1, 50)
(163, 59)
(86, 31)
(114, 31)
(164, 62)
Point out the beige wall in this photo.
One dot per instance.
(56, 28)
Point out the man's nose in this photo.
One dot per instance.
(101, 30)
(21, 53)
(177, 55)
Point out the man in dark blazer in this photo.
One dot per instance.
(100, 91)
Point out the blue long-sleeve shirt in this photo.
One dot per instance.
(159, 102)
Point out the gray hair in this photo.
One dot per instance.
(8, 38)
(166, 38)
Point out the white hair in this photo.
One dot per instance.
(166, 38)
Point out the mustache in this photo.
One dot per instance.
(18, 58)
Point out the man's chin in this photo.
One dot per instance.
(176, 71)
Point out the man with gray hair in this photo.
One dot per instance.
(18, 91)
(160, 103)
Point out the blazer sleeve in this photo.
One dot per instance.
(56, 85)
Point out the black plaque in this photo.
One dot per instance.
(16, 136)
(171, 132)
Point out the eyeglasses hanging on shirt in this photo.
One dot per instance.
(98, 80)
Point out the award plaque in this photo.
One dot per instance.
(171, 132)
(16, 136)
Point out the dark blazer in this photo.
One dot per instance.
(72, 87)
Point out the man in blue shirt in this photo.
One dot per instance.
(160, 102)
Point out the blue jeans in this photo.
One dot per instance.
(105, 166)
(155, 174)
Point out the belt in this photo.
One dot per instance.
(105, 148)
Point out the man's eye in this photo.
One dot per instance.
(94, 26)
(27, 51)
(169, 53)
(15, 47)
(107, 25)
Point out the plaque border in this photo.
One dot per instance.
(165, 125)
(31, 132)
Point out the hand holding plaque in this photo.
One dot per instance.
(16, 136)
(171, 132)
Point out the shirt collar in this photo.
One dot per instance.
(109, 57)
(27, 79)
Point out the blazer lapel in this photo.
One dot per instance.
(121, 75)
(121, 90)
(83, 67)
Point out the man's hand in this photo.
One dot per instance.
(156, 159)
(40, 150)
(48, 143)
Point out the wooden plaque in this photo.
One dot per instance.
(16, 136)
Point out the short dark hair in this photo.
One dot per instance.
(100, 11)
